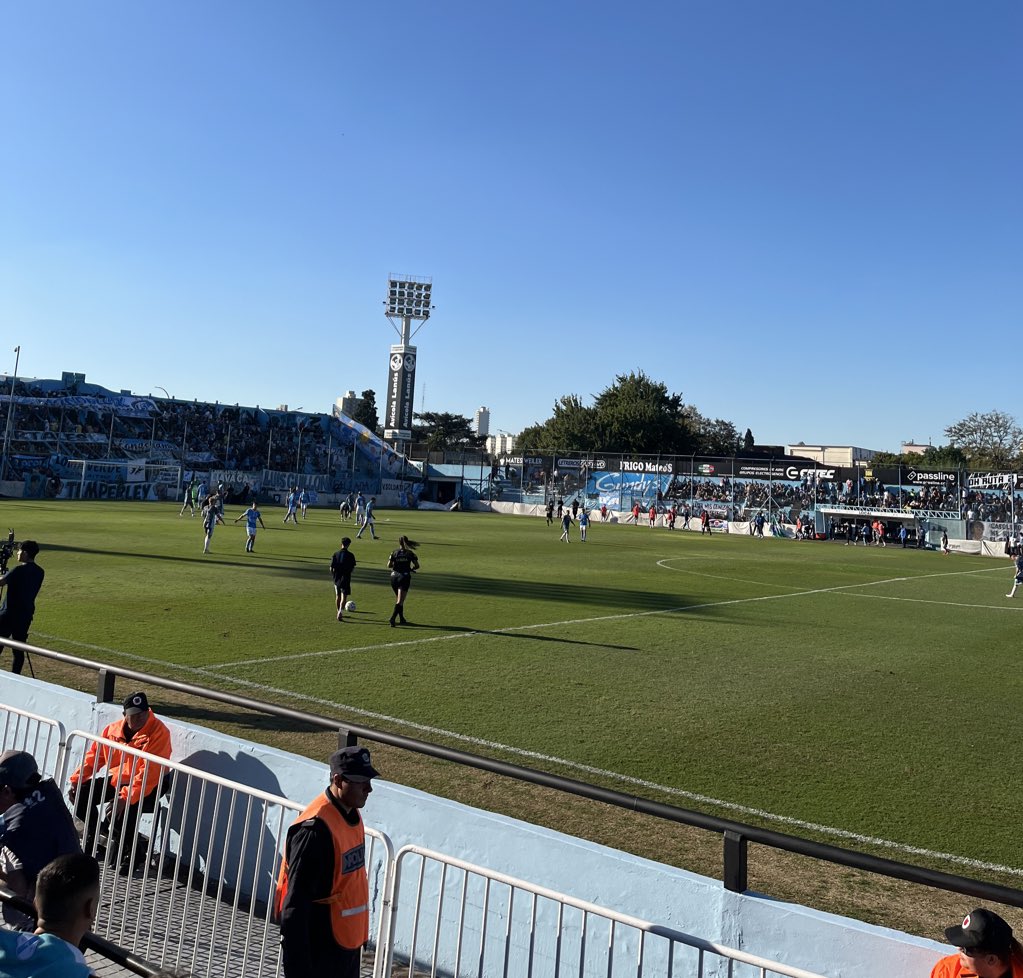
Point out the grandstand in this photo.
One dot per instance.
(68, 433)
(70, 439)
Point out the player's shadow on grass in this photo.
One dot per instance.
(510, 633)
(614, 598)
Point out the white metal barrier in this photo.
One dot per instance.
(193, 888)
(452, 917)
(41, 737)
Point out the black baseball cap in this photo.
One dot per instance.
(18, 769)
(981, 930)
(353, 764)
(135, 703)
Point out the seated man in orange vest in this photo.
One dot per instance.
(129, 786)
(986, 946)
(323, 890)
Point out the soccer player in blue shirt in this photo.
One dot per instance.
(251, 517)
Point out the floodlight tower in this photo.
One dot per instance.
(408, 299)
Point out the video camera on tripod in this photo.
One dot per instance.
(7, 549)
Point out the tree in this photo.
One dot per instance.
(715, 437)
(637, 415)
(945, 457)
(572, 427)
(366, 410)
(747, 441)
(441, 431)
(991, 439)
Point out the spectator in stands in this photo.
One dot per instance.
(987, 949)
(129, 786)
(67, 898)
(322, 895)
(23, 583)
(37, 825)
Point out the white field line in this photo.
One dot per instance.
(576, 766)
(946, 604)
(512, 629)
(586, 768)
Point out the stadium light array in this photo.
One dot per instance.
(409, 298)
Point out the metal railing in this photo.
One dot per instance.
(452, 917)
(40, 736)
(736, 836)
(91, 942)
(192, 887)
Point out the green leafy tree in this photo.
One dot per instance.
(366, 410)
(747, 441)
(712, 437)
(441, 431)
(945, 457)
(988, 439)
(637, 415)
(572, 427)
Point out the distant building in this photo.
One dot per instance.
(500, 444)
(839, 455)
(481, 421)
(909, 448)
(347, 405)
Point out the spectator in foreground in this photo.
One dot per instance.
(986, 946)
(67, 897)
(322, 896)
(37, 826)
(130, 785)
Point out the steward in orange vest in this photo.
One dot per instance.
(322, 897)
(986, 946)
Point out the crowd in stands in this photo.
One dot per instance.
(50, 426)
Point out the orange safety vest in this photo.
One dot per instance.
(349, 891)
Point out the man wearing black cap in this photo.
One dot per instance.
(130, 784)
(37, 826)
(987, 949)
(23, 583)
(323, 890)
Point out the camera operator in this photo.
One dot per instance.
(23, 583)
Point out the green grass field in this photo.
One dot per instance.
(863, 690)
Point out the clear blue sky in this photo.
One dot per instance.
(806, 217)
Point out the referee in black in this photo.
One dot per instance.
(402, 563)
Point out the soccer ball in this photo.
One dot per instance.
(350, 606)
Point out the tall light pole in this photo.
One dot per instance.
(10, 407)
(408, 298)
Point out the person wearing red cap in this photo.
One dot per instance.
(322, 898)
(986, 946)
(130, 785)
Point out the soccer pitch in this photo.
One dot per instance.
(857, 695)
